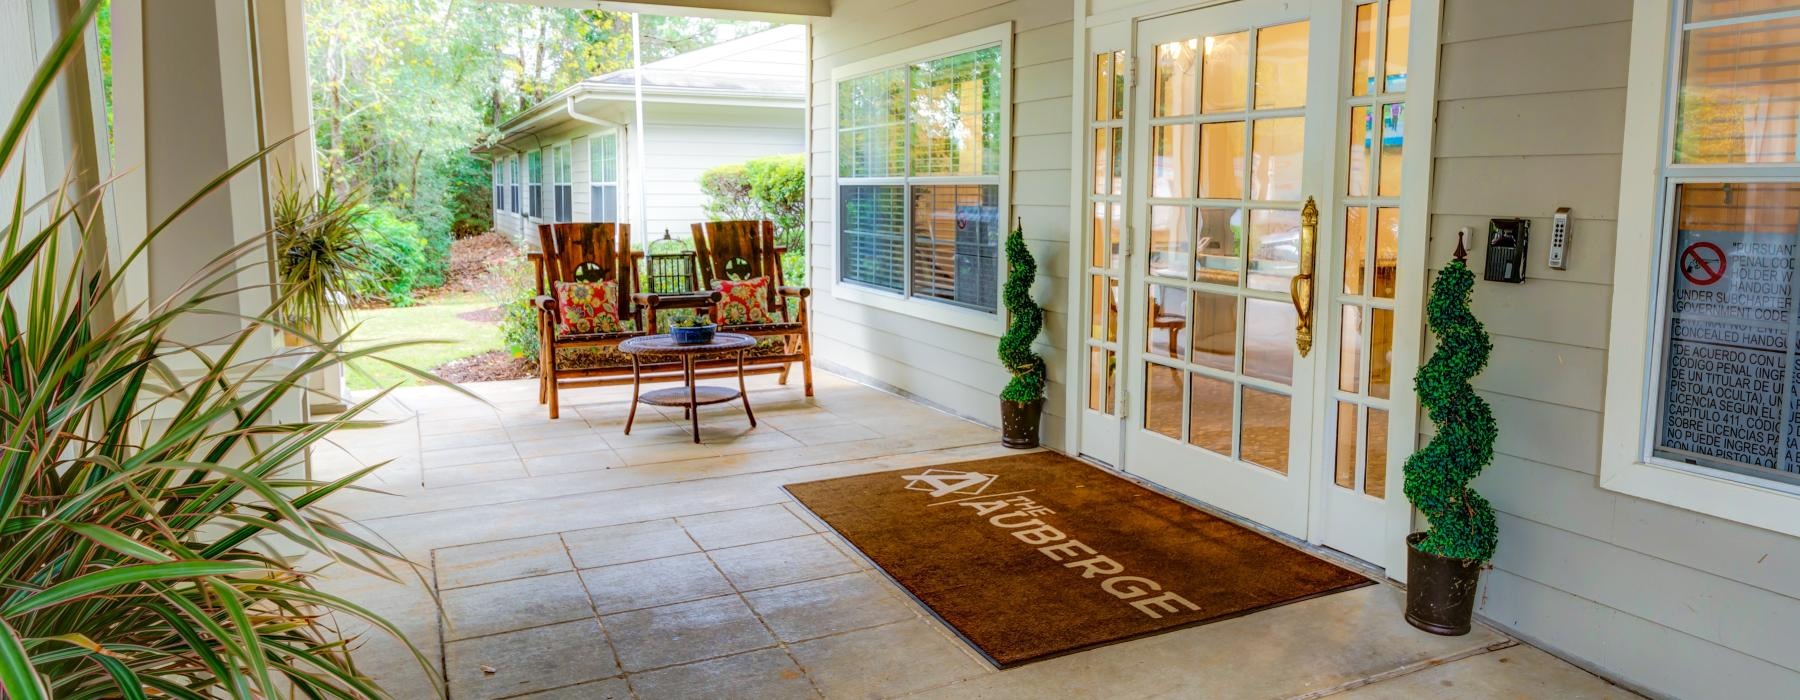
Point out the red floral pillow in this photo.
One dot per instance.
(745, 301)
(588, 307)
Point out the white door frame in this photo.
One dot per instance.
(1114, 29)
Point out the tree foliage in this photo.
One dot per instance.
(1438, 475)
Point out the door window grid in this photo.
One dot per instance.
(1226, 134)
(1363, 302)
(1106, 202)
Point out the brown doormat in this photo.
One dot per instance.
(1036, 555)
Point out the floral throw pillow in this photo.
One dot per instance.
(588, 307)
(745, 301)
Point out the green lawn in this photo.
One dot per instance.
(435, 321)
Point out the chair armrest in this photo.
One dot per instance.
(544, 303)
(796, 292)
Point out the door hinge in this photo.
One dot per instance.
(1124, 403)
(1131, 73)
(1125, 242)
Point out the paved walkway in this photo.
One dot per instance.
(572, 561)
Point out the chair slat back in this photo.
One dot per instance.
(739, 250)
(589, 252)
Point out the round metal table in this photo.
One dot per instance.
(690, 397)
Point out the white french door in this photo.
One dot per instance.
(1233, 132)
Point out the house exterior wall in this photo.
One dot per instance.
(682, 141)
(940, 363)
(1530, 118)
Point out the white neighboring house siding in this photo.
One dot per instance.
(1530, 118)
(942, 364)
(684, 141)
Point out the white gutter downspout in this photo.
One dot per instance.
(641, 212)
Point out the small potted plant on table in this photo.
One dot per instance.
(1443, 563)
(693, 330)
(1022, 401)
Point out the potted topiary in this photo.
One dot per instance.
(1022, 401)
(1443, 563)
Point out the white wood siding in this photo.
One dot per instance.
(942, 364)
(1530, 118)
(683, 141)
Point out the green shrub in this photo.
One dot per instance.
(518, 318)
(398, 256)
(770, 187)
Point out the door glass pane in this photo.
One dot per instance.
(1171, 173)
(1175, 78)
(1269, 340)
(1393, 123)
(1166, 335)
(1225, 73)
(1381, 352)
(1265, 429)
(1114, 229)
(1344, 473)
(1362, 156)
(1222, 160)
(1375, 466)
(1101, 250)
(1102, 161)
(1171, 237)
(1162, 400)
(1276, 154)
(1356, 248)
(1098, 303)
(1118, 86)
(1209, 414)
(1362, 59)
(1387, 250)
(1112, 313)
(1220, 235)
(1103, 86)
(1281, 66)
(1399, 25)
(1118, 160)
(1215, 330)
(1274, 248)
(1350, 350)
(1097, 381)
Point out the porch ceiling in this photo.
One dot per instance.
(771, 10)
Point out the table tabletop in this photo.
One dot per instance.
(665, 343)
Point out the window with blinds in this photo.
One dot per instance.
(499, 180)
(561, 189)
(534, 184)
(1729, 384)
(919, 179)
(513, 185)
(603, 176)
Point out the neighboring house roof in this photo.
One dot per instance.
(767, 67)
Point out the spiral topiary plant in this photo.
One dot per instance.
(1027, 319)
(1437, 477)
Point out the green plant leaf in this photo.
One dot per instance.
(17, 676)
(114, 578)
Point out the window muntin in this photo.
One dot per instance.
(561, 190)
(919, 178)
(603, 164)
(1725, 394)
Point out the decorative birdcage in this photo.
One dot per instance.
(669, 265)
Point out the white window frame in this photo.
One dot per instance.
(992, 324)
(1634, 373)
(562, 185)
(618, 140)
(534, 201)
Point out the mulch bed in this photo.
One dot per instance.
(490, 314)
(491, 366)
(475, 264)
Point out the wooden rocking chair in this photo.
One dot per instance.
(741, 250)
(593, 252)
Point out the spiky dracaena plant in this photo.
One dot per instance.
(1438, 475)
(319, 253)
(1027, 320)
(148, 488)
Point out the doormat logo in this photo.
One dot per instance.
(943, 482)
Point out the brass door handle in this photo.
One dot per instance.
(1301, 288)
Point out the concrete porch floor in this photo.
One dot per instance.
(573, 561)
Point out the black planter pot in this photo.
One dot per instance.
(1440, 591)
(1019, 423)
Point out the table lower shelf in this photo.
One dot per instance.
(678, 396)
